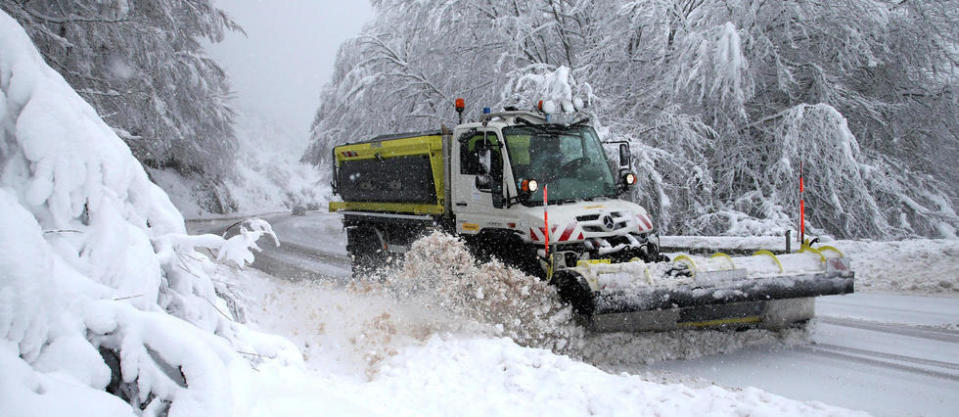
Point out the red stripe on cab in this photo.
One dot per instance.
(568, 232)
(645, 221)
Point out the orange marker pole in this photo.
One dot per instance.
(802, 209)
(546, 216)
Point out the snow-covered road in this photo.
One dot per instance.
(889, 354)
(312, 246)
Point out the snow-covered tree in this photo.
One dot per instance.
(405, 70)
(722, 100)
(141, 65)
(743, 68)
(101, 290)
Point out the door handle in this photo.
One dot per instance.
(460, 204)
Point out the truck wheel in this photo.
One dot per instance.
(573, 289)
(652, 254)
(506, 247)
(514, 253)
(365, 249)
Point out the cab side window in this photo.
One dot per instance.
(471, 153)
(519, 154)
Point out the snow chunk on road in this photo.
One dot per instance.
(439, 271)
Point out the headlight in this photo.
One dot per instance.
(529, 186)
(653, 239)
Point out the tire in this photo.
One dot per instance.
(573, 289)
(365, 249)
(653, 255)
(506, 247)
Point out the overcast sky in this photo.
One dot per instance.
(287, 56)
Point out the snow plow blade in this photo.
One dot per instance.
(633, 296)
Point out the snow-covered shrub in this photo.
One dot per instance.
(98, 291)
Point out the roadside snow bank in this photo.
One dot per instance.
(923, 266)
(101, 291)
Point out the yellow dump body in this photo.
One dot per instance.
(393, 174)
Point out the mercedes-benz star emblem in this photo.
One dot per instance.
(608, 222)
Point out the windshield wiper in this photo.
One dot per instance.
(580, 123)
(523, 121)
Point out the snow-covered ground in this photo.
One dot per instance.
(389, 357)
(890, 354)
(878, 350)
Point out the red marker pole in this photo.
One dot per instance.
(546, 216)
(802, 209)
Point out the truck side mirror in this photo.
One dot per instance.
(496, 180)
(624, 155)
(483, 182)
(484, 155)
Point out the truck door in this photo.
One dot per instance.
(480, 155)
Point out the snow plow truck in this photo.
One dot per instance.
(538, 192)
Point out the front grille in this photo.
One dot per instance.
(593, 223)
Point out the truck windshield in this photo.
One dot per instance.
(571, 160)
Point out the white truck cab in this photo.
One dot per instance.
(512, 170)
